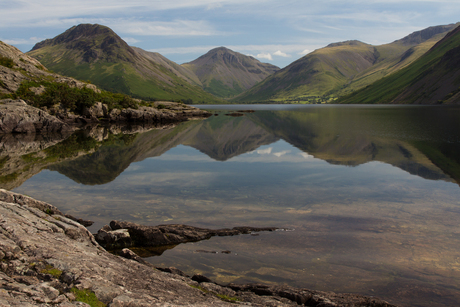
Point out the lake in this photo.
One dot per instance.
(368, 196)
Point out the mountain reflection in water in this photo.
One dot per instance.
(341, 176)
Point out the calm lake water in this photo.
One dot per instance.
(371, 194)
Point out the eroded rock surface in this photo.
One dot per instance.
(18, 117)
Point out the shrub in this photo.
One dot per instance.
(72, 98)
(7, 62)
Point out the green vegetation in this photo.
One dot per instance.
(218, 88)
(73, 98)
(7, 62)
(87, 296)
(56, 273)
(8, 178)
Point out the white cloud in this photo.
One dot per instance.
(282, 54)
(166, 28)
(304, 52)
(281, 153)
(267, 56)
(130, 40)
(306, 155)
(21, 41)
(266, 151)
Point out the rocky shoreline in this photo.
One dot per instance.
(18, 117)
(48, 259)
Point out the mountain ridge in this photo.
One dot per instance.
(341, 68)
(431, 79)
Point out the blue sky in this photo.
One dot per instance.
(277, 32)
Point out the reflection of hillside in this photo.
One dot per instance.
(24, 156)
(353, 137)
(223, 137)
(219, 138)
(111, 159)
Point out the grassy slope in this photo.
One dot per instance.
(319, 76)
(121, 72)
(387, 89)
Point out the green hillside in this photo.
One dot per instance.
(432, 79)
(341, 68)
(226, 73)
(95, 53)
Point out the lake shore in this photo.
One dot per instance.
(48, 259)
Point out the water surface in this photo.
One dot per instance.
(371, 192)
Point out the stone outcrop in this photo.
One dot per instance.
(18, 117)
(45, 258)
(127, 234)
(170, 112)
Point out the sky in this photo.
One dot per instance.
(277, 32)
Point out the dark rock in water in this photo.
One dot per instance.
(205, 251)
(306, 297)
(245, 111)
(235, 114)
(85, 223)
(200, 278)
(172, 270)
(226, 252)
(116, 235)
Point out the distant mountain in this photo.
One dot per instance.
(432, 79)
(341, 68)
(226, 73)
(96, 53)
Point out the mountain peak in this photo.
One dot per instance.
(346, 43)
(94, 41)
(226, 73)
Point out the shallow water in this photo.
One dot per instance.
(371, 193)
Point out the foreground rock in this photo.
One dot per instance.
(45, 258)
(127, 234)
(18, 117)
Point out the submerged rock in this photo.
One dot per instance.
(116, 235)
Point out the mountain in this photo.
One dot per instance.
(432, 79)
(96, 53)
(226, 73)
(341, 68)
